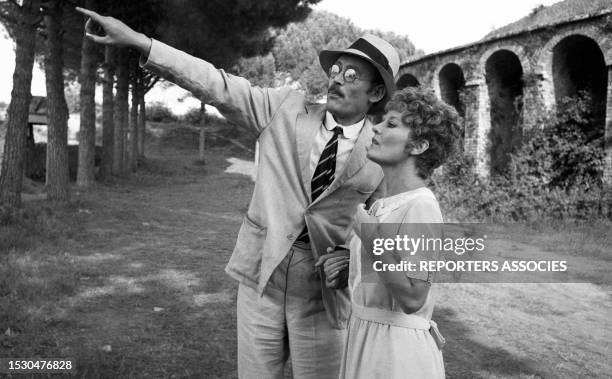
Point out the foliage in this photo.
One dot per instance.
(159, 112)
(72, 91)
(260, 70)
(566, 151)
(3, 108)
(193, 116)
(297, 46)
(222, 31)
(556, 175)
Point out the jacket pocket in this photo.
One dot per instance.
(246, 259)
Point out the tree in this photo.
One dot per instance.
(87, 131)
(57, 180)
(144, 16)
(228, 30)
(222, 31)
(148, 81)
(24, 20)
(133, 147)
(121, 111)
(296, 50)
(108, 126)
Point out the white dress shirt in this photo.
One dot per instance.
(346, 142)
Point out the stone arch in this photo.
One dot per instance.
(578, 66)
(407, 80)
(451, 83)
(517, 50)
(545, 58)
(503, 72)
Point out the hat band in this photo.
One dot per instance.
(373, 52)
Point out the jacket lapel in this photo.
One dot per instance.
(307, 125)
(355, 161)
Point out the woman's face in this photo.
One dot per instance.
(390, 141)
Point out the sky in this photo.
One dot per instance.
(432, 25)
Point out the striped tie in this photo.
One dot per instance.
(324, 174)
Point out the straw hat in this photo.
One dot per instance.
(379, 53)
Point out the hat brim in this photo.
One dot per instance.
(328, 57)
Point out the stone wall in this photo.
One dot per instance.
(548, 59)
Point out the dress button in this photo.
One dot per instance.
(289, 236)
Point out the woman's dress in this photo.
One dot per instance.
(382, 340)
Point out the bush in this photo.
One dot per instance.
(566, 151)
(555, 176)
(180, 137)
(158, 112)
(193, 116)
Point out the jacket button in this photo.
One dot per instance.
(289, 236)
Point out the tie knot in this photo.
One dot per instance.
(338, 131)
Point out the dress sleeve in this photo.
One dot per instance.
(422, 221)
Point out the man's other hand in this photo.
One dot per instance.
(335, 267)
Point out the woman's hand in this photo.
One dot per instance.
(116, 32)
(335, 267)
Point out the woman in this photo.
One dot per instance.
(390, 333)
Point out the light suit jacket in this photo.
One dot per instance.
(280, 206)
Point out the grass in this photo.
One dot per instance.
(128, 280)
(136, 265)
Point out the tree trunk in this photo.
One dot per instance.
(108, 124)
(87, 131)
(202, 131)
(57, 144)
(121, 111)
(133, 151)
(11, 172)
(142, 120)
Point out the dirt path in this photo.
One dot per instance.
(153, 299)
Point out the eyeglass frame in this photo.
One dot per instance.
(344, 72)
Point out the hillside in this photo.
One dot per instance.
(543, 16)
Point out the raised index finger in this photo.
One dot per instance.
(87, 12)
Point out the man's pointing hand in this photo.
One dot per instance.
(116, 32)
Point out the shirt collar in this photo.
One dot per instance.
(348, 131)
(389, 204)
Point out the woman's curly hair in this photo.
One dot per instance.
(430, 119)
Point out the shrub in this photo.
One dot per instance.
(193, 116)
(567, 150)
(555, 176)
(158, 112)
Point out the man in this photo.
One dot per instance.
(312, 173)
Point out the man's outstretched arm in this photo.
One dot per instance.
(234, 96)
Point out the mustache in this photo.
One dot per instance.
(335, 90)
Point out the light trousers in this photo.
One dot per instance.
(287, 321)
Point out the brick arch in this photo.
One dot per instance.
(502, 101)
(407, 79)
(547, 56)
(449, 89)
(544, 55)
(518, 50)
